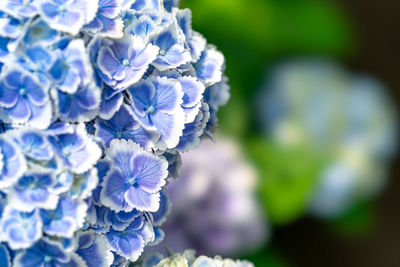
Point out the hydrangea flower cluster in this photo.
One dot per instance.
(188, 259)
(347, 119)
(214, 208)
(97, 100)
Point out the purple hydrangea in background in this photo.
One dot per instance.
(98, 98)
(212, 207)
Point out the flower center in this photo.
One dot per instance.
(37, 31)
(133, 182)
(62, 8)
(66, 151)
(22, 91)
(26, 2)
(150, 109)
(125, 62)
(118, 134)
(47, 258)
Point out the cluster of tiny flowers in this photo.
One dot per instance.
(97, 100)
(347, 119)
(188, 259)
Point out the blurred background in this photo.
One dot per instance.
(305, 169)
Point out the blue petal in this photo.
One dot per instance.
(209, 67)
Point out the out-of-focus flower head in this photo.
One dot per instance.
(345, 118)
(188, 259)
(97, 100)
(213, 206)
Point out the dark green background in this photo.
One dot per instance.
(254, 35)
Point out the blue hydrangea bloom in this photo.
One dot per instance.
(94, 249)
(169, 4)
(123, 126)
(76, 149)
(5, 258)
(146, 23)
(210, 66)
(83, 184)
(19, 8)
(193, 91)
(130, 242)
(111, 102)
(135, 179)
(97, 100)
(165, 206)
(193, 131)
(107, 21)
(142, 4)
(20, 229)
(33, 144)
(24, 99)
(10, 27)
(80, 106)
(157, 106)
(33, 190)
(122, 62)
(68, 15)
(172, 49)
(47, 253)
(72, 67)
(40, 32)
(196, 42)
(63, 221)
(12, 162)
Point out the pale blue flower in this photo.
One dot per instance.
(47, 253)
(173, 52)
(20, 229)
(192, 132)
(94, 249)
(150, 4)
(24, 99)
(19, 8)
(111, 102)
(80, 106)
(38, 61)
(67, 15)
(123, 126)
(76, 149)
(33, 144)
(122, 62)
(65, 219)
(39, 31)
(10, 26)
(107, 21)
(33, 190)
(210, 66)
(130, 242)
(146, 23)
(12, 162)
(196, 42)
(72, 67)
(160, 215)
(192, 89)
(135, 178)
(156, 104)
(83, 184)
(169, 4)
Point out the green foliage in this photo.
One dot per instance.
(357, 221)
(288, 177)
